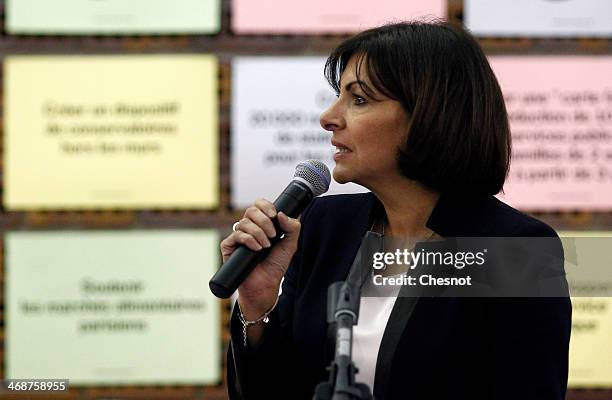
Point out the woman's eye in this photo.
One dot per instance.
(358, 100)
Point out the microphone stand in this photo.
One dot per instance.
(343, 311)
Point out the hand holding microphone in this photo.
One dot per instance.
(255, 231)
(248, 260)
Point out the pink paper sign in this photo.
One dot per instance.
(560, 111)
(322, 16)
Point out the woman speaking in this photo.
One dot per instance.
(420, 121)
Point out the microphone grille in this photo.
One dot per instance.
(316, 174)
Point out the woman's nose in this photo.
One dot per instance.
(331, 119)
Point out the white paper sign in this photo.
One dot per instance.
(78, 17)
(277, 102)
(107, 308)
(543, 18)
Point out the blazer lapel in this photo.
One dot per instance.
(443, 221)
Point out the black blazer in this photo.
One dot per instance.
(440, 348)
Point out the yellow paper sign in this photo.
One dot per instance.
(590, 344)
(111, 132)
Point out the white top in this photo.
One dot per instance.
(374, 314)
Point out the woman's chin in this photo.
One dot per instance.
(340, 176)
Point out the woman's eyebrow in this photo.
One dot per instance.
(361, 84)
(372, 94)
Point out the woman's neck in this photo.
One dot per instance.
(408, 205)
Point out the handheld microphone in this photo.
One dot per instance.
(311, 179)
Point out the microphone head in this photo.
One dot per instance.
(315, 174)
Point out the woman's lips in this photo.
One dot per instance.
(341, 152)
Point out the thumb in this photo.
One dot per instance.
(291, 226)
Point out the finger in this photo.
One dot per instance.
(227, 246)
(247, 240)
(248, 226)
(266, 207)
(291, 226)
(228, 242)
(260, 219)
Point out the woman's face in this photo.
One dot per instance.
(367, 130)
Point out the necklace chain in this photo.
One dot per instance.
(385, 224)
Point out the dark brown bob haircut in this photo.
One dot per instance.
(459, 136)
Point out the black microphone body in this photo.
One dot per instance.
(292, 201)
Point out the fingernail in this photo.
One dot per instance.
(271, 213)
(267, 244)
(258, 247)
